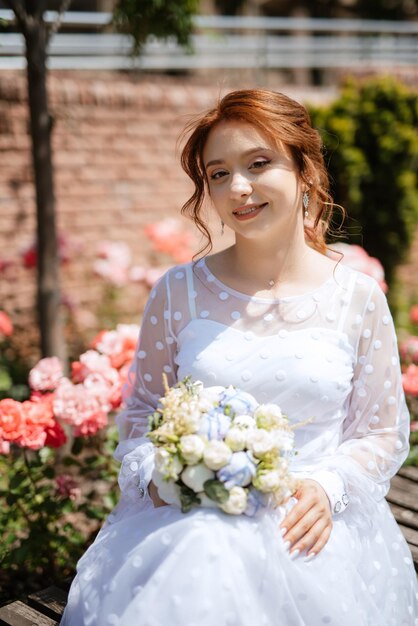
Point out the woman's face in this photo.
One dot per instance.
(253, 184)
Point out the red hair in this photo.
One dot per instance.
(285, 122)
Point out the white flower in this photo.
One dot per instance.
(191, 448)
(195, 476)
(236, 503)
(244, 421)
(236, 439)
(284, 439)
(217, 454)
(167, 489)
(169, 465)
(212, 394)
(267, 481)
(261, 442)
(269, 416)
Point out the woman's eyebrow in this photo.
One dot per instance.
(245, 153)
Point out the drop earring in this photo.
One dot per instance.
(305, 202)
(222, 227)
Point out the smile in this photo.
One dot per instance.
(247, 212)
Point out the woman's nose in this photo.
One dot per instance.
(240, 186)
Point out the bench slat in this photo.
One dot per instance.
(20, 614)
(50, 601)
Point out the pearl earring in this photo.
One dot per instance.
(305, 202)
(222, 227)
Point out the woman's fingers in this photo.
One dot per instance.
(308, 525)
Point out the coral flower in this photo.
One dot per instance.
(12, 420)
(410, 380)
(413, 314)
(6, 326)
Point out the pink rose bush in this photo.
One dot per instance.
(80, 403)
(50, 502)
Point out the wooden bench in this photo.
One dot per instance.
(45, 607)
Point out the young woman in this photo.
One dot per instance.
(274, 316)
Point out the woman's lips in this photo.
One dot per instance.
(248, 213)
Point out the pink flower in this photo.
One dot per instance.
(114, 262)
(357, 258)
(92, 425)
(170, 236)
(119, 344)
(6, 326)
(67, 487)
(414, 427)
(4, 446)
(410, 380)
(38, 418)
(86, 402)
(408, 350)
(46, 375)
(413, 314)
(148, 275)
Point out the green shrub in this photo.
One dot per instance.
(370, 135)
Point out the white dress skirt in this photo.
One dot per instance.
(329, 355)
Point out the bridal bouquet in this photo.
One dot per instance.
(218, 447)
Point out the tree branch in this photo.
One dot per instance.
(54, 28)
(19, 11)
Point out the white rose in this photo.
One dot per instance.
(261, 442)
(167, 489)
(267, 481)
(191, 447)
(268, 416)
(284, 439)
(212, 394)
(169, 465)
(244, 421)
(195, 476)
(236, 439)
(217, 454)
(236, 503)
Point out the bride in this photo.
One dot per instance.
(276, 317)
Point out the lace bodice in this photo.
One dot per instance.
(329, 355)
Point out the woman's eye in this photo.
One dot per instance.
(260, 164)
(218, 174)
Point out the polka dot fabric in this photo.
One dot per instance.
(329, 355)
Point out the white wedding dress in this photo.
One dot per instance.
(330, 355)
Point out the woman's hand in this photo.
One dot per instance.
(153, 492)
(308, 525)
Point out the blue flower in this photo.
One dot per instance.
(214, 424)
(237, 402)
(256, 502)
(238, 472)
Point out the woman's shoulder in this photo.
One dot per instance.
(364, 287)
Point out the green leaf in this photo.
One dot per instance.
(216, 491)
(188, 498)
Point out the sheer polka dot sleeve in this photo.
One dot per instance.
(376, 430)
(154, 357)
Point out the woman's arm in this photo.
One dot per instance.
(375, 435)
(154, 356)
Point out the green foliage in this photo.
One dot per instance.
(162, 18)
(371, 142)
(45, 529)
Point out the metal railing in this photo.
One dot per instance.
(228, 42)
